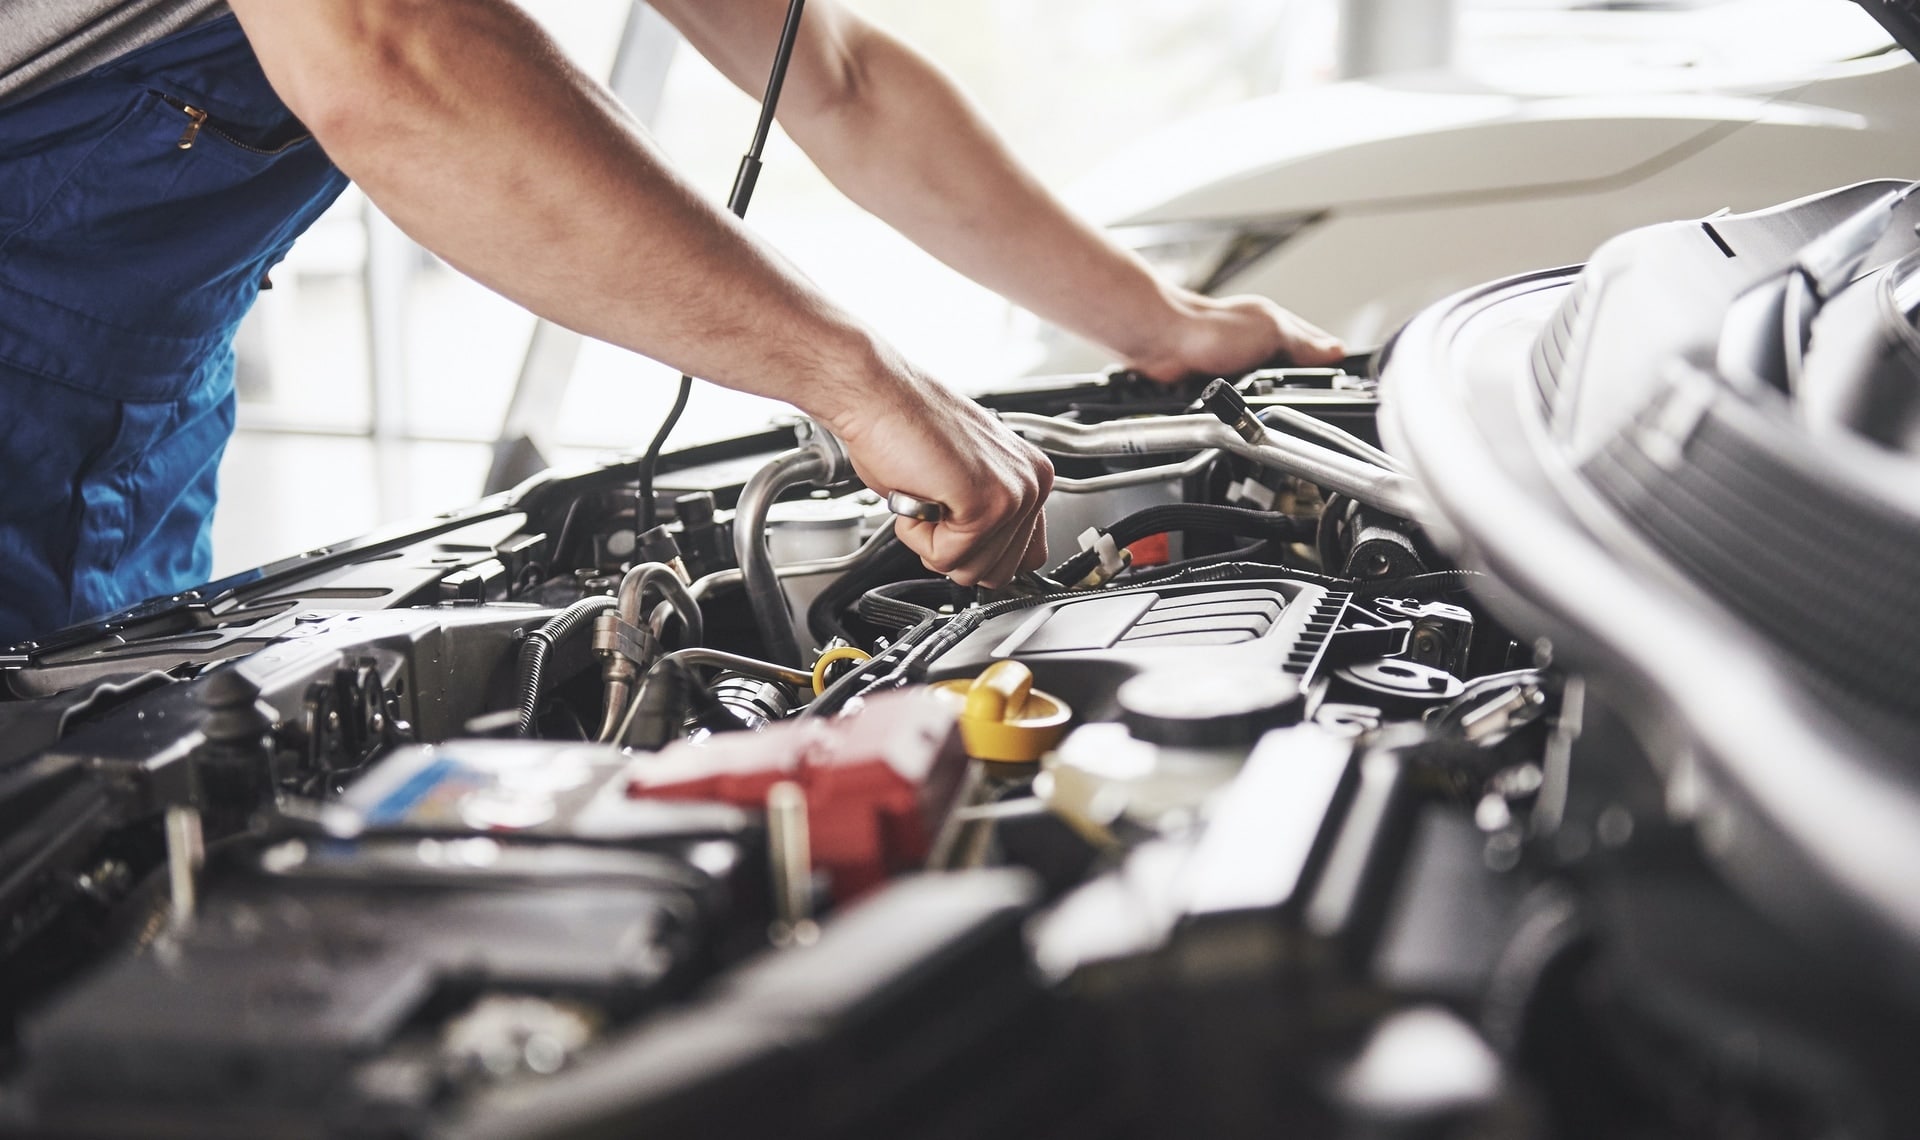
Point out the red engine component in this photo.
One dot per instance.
(878, 782)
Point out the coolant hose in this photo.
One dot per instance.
(530, 668)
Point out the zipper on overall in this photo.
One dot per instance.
(197, 122)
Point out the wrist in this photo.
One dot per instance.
(858, 382)
(1163, 337)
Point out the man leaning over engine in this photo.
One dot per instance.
(160, 156)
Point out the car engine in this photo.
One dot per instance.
(1541, 770)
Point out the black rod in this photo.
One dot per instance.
(646, 515)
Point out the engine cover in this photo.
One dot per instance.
(1083, 648)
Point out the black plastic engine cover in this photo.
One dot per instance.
(1081, 648)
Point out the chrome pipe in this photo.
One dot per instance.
(1338, 437)
(1331, 470)
(734, 663)
(1116, 480)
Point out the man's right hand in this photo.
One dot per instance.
(914, 434)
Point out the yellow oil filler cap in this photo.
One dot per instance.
(1004, 718)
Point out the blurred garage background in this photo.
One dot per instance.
(375, 381)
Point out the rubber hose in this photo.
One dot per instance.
(884, 563)
(1251, 553)
(1326, 533)
(893, 605)
(530, 668)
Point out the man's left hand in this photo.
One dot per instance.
(1225, 336)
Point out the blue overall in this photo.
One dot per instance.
(141, 205)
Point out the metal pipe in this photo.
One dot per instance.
(790, 856)
(619, 692)
(1331, 470)
(700, 657)
(186, 852)
(621, 674)
(1116, 480)
(1387, 37)
(769, 602)
(1339, 437)
(663, 578)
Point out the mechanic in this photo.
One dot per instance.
(161, 155)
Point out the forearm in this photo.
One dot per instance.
(904, 142)
(910, 147)
(893, 132)
(463, 122)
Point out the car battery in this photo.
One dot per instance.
(533, 790)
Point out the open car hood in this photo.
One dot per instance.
(1900, 17)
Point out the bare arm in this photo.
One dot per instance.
(897, 136)
(464, 122)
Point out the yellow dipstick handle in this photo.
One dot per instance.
(831, 658)
(1000, 693)
(1003, 717)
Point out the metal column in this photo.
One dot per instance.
(1382, 37)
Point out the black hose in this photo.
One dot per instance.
(909, 658)
(646, 513)
(530, 668)
(885, 562)
(1326, 533)
(1269, 525)
(903, 605)
(1253, 552)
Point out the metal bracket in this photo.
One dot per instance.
(613, 636)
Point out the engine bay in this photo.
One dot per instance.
(1277, 802)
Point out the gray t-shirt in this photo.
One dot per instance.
(45, 41)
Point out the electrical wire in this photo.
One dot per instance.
(1171, 517)
(646, 514)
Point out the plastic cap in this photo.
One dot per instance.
(1205, 708)
(1004, 718)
